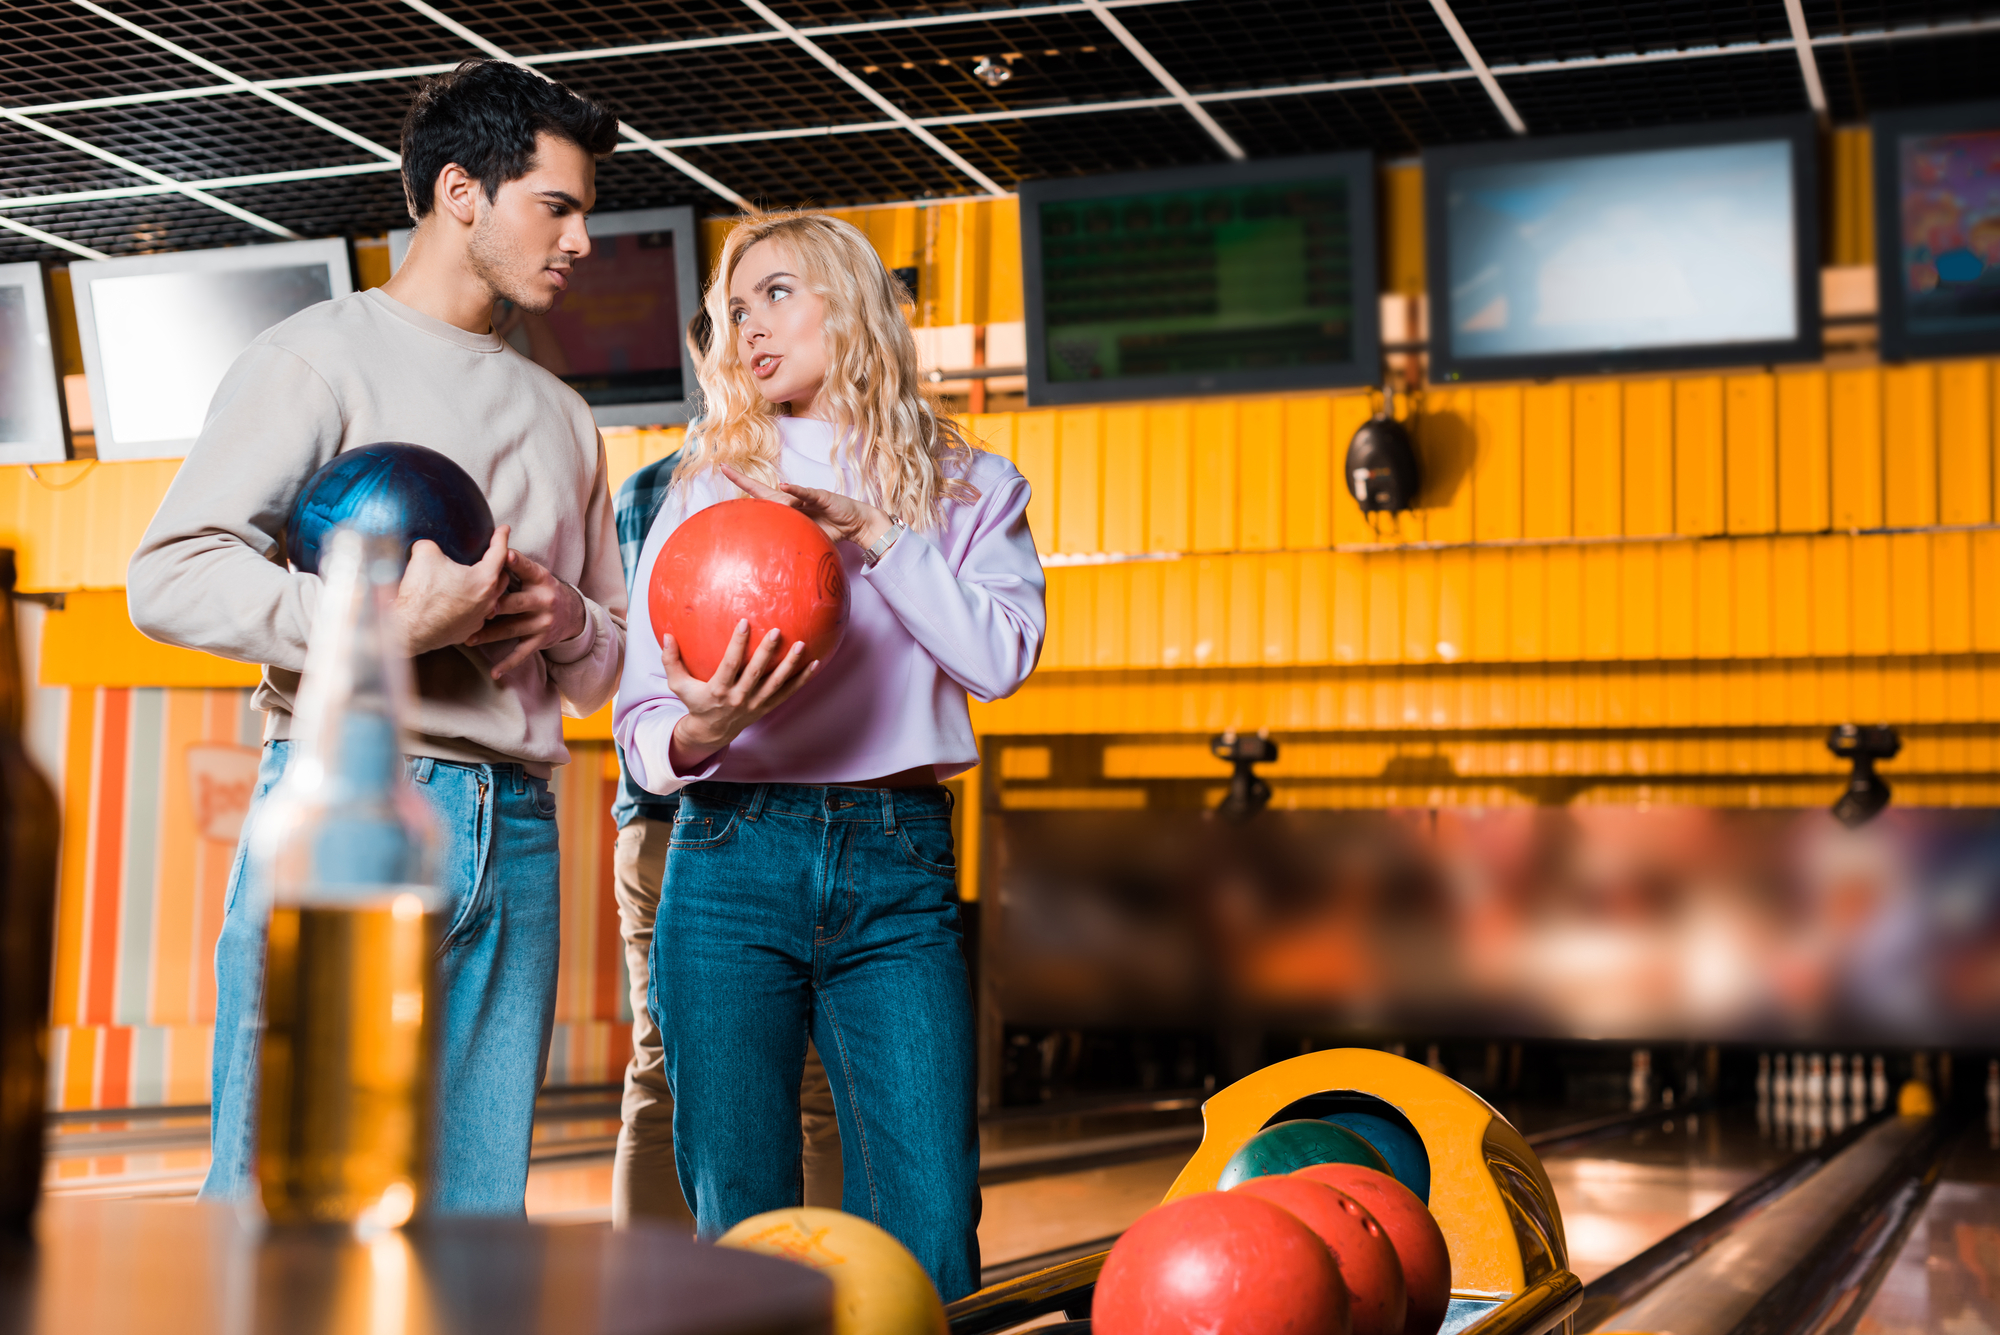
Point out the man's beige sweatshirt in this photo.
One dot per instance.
(210, 573)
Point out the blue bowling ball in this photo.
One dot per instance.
(1408, 1161)
(393, 489)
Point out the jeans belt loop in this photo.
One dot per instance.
(757, 796)
(420, 769)
(889, 810)
(519, 773)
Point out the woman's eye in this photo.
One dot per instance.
(780, 293)
(737, 317)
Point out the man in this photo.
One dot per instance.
(645, 1182)
(499, 167)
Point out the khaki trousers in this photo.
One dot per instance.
(645, 1184)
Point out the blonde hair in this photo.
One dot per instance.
(908, 457)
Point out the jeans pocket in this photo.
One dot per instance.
(927, 845)
(701, 824)
(542, 797)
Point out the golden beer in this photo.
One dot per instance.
(345, 1075)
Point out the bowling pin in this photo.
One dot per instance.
(1816, 1081)
(1641, 1084)
(1993, 1104)
(1836, 1094)
(1878, 1084)
(1857, 1088)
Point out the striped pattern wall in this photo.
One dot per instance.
(1761, 453)
(145, 772)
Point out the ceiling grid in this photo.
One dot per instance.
(129, 126)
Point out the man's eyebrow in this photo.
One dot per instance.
(563, 196)
(769, 279)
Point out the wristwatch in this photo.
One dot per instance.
(870, 555)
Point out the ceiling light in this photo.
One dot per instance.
(992, 72)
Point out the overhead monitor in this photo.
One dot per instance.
(1203, 280)
(1937, 230)
(1640, 250)
(618, 334)
(33, 427)
(159, 331)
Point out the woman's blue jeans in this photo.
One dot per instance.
(791, 911)
(497, 864)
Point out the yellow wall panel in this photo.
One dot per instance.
(1965, 442)
(1215, 477)
(1909, 445)
(1177, 634)
(1056, 605)
(1446, 447)
(1546, 443)
(1245, 646)
(1678, 636)
(1986, 594)
(1804, 504)
(1142, 632)
(1280, 616)
(1211, 610)
(1350, 608)
(1420, 607)
(1080, 489)
(1566, 609)
(92, 642)
(1035, 456)
(1403, 229)
(1791, 597)
(1528, 596)
(1597, 460)
(1315, 607)
(1855, 432)
(1496, 463)
(1649, 457)
(1750, 591)
(1490, 637)
(1125, 480)
(1260, 454)
(993, 432)
(1751, 443)
(1910, 608)
(1454, 613)
(1871, 594)
(1598, 604)
(1714, 599)
(1310, 472)
(1112, 609)
(1951, 593)
(1385, 608)
(1004, 299)
(1169, 478)
(1851, 234)
(1833, 595)
(1639, 600)
(1699, 480)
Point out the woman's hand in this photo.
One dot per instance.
(739, 693)
(841, 518)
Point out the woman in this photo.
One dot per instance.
(809, 884)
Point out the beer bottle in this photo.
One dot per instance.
(346, 849)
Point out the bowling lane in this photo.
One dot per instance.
(1946, 1278)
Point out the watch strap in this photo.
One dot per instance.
(880, 547)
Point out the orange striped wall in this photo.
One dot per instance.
(144, 869)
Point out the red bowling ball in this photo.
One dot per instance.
(1367, 1259)
(1418, 1240)
(747, 560)
(1217, 1262)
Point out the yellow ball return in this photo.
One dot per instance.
(1509, 1261)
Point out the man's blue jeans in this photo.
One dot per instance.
(497, 865)
(791, 910)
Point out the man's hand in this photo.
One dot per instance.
(541, 612)
(839, 517)
(735, 697)
(441, 602)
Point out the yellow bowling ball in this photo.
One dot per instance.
(878, 1287)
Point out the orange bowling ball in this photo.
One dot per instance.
(1219, 1262)
(1418, 1240)
(1367, 1259)
(747, 560)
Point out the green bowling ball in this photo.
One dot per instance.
(1289, 1146)
(1408, 1162)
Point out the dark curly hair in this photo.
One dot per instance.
(484, 116)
